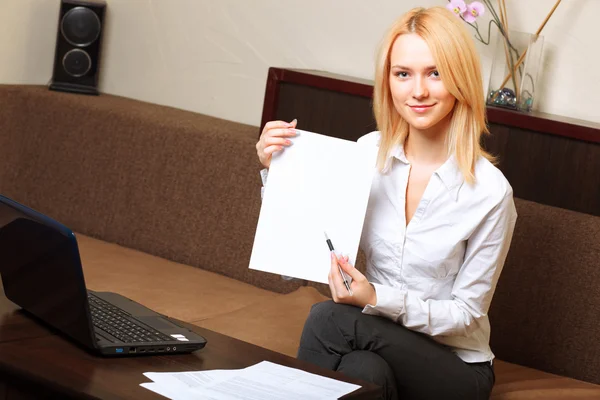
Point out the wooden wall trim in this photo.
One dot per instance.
(535, 121)
(316, 79)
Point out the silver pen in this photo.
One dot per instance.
(338, 264)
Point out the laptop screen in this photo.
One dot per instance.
(41, 270)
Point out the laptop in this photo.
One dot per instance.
(42, 273)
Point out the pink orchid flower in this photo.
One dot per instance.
(474, 10)
(458, 7)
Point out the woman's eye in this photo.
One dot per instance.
(435, 74)
(402, 74)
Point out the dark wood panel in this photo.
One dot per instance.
(549, 169)
(332, 113)
(554, 161)
(3, 386)
(496, 142)
(546, 123)
(27, 391)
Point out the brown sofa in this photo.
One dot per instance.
(165, 203)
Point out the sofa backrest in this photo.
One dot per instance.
(168, 182)
(546, 310)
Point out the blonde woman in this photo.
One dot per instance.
(437, 230)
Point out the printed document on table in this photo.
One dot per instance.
(262, 381)
(318, 184)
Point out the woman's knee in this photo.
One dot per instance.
(320, 342)
(329, 312)
(319, 315)
(328, 309)
(323, 308)
(370, 367)
(321, 312)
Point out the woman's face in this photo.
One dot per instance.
(417, 90)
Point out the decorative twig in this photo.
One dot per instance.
(507, 54)
(537, 33)
(505, 14)
(507, 35)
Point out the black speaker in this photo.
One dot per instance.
(78, 43)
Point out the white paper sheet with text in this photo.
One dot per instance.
(262, 381)
(319, 184)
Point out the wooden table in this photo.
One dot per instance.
(38, 363)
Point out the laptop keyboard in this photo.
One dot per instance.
(120, 324)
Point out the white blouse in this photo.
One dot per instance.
(438, 274)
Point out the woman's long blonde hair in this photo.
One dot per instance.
(457, 61)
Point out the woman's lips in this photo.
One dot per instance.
(421, 108)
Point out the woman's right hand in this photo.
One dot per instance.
(274, 137)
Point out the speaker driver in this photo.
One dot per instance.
(80, 26)
(77, 62)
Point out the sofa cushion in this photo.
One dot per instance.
(274, 323)
(177, 290)
(514, 382)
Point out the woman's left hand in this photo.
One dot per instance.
(363, 292)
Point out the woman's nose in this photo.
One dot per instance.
(419, 89)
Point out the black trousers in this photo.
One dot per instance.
(407, 364)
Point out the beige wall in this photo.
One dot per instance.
(212, 56)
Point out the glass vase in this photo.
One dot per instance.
(513, 83)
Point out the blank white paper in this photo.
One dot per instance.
(319, 184)
(170, 393)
